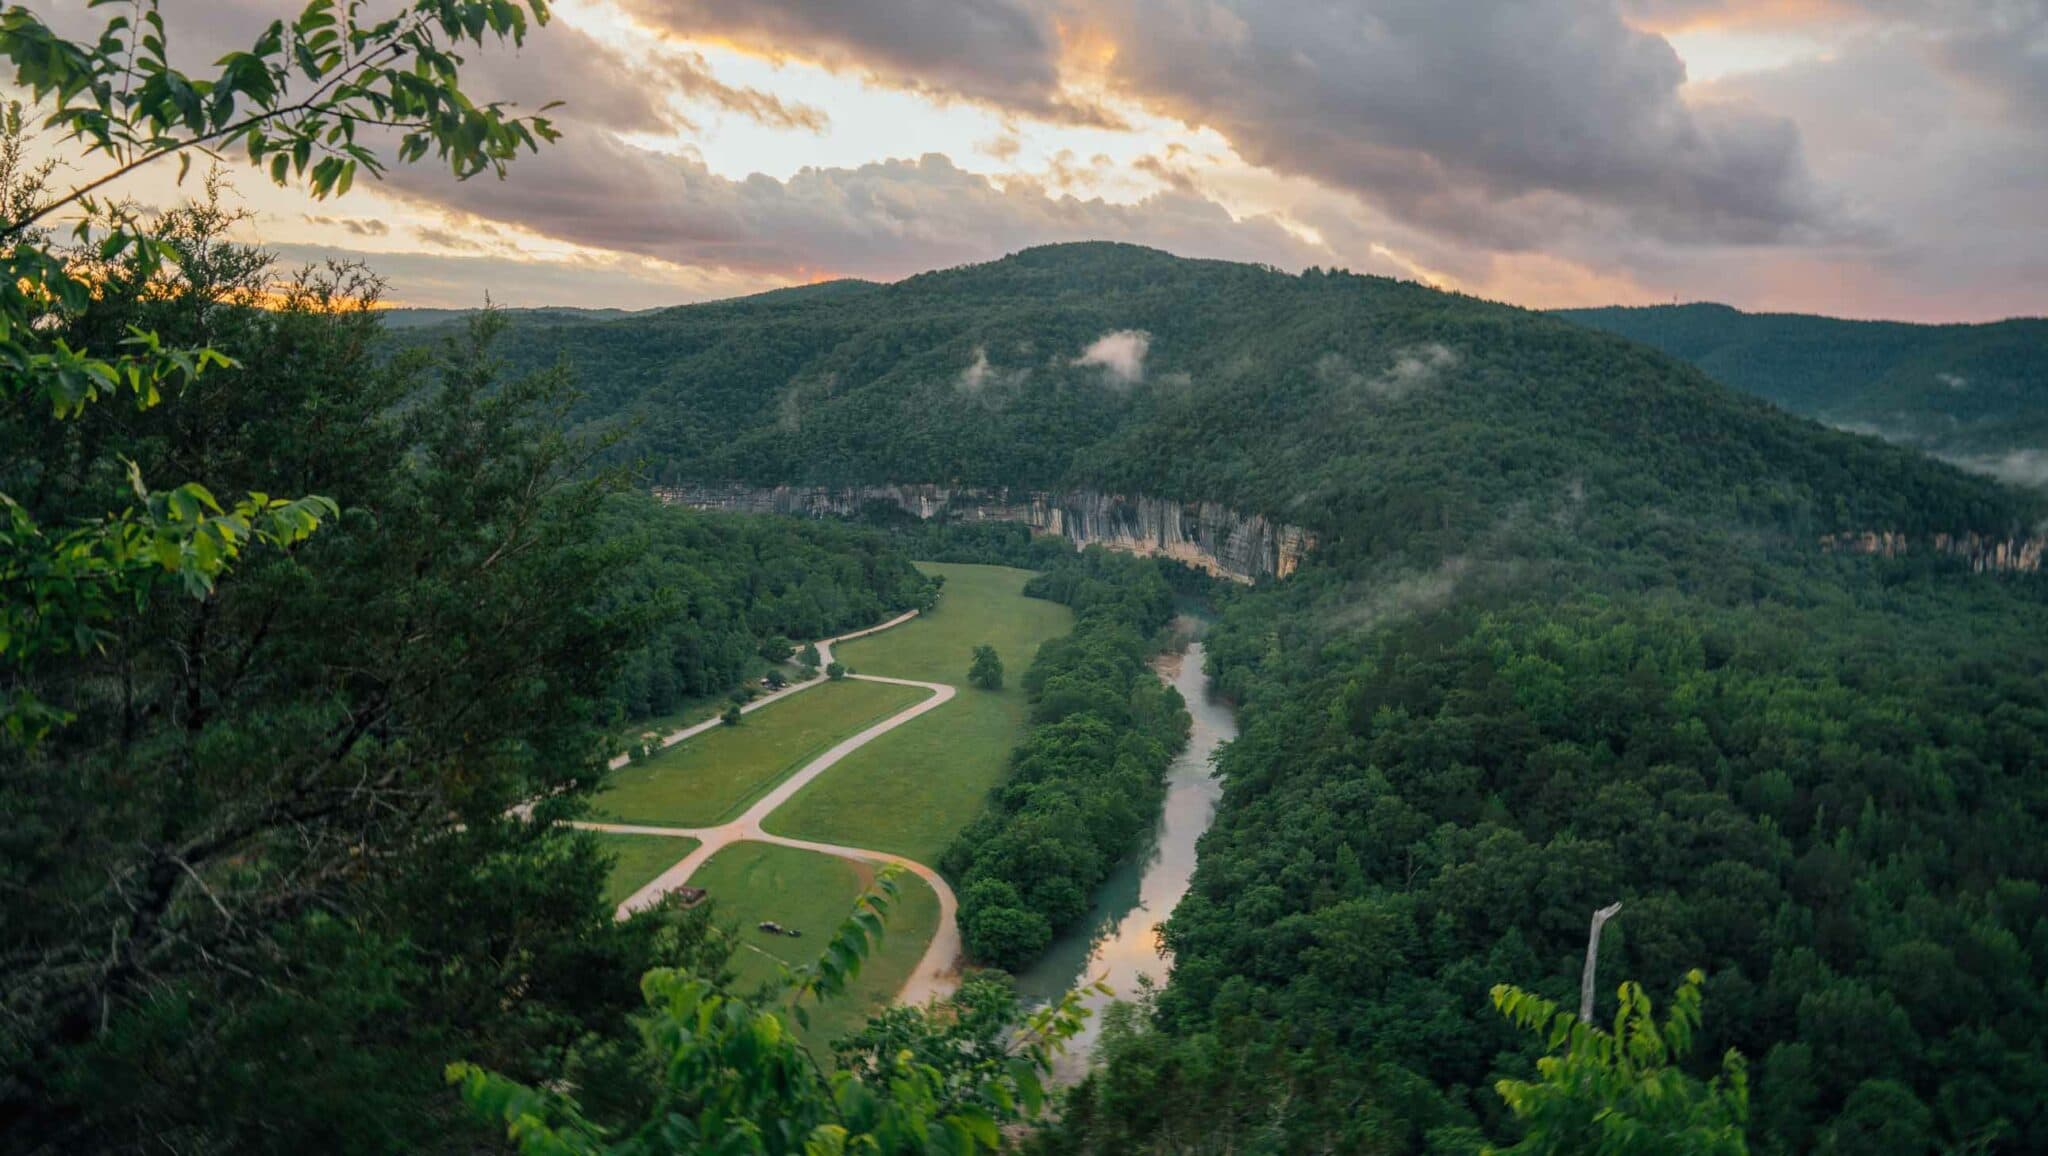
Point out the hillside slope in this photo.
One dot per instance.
(1570, 637)
(1370, 410)
(1977, 394)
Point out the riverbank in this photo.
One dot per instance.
(1118, 942)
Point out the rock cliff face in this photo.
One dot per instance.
(1243, 547)
(2005, 555)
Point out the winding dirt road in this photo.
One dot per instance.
(938, 972)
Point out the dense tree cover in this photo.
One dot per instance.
(277, 818)
(1966, 390)
(725, 593)
(1818, 781)
(941, 539)
(291, 104)
(1377, 412)
(1566, 639)
(1084, 787)
(262, 874)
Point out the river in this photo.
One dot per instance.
(1118, 941)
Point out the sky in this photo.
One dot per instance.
(1860, 158)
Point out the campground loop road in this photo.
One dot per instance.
(938, 972)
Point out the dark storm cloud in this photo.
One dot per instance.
(1004, 52)
(1460, 115)
(1465, 116)
(556, 63)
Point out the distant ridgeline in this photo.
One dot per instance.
(1974, 394)
(1211, 537)
(1100, 388)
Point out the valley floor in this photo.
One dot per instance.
(848, 786)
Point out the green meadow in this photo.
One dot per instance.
(637, 859)
(814, 894)
(714, 777)
(910, 791)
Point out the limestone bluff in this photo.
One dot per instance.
(1224, 542)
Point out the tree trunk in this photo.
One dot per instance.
(1600, 919)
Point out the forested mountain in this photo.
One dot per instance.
(1569, 637)
(1371, 410)
(1977, 394)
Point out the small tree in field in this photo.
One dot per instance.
(731, 716)
(986, 671)
(836, 671)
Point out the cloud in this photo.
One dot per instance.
(1414, 367)
(462, 281)
(1495, 123)
(883, 220)
(1003, 52)
(980, 375)
(2015, 467)
(1552, 151)
(360, 226)
(449, 239)
(1464, 116)
(1120, 353)
(976, 374)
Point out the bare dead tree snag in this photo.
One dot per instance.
(1600, 919)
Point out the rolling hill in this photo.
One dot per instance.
(1572, 634)
(1373, 411)
(1975, 394)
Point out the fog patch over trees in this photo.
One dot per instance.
(1120, 353)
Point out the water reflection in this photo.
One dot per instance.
(1119, 939)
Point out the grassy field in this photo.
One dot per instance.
(913, 789)
(639, 859)
(814, 894)
(713, 777)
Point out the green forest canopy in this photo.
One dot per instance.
(1569, 639)
(1975, 393)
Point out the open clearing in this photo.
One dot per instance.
(712, 777)
(639, 859)
(911, 791)
(814, 894)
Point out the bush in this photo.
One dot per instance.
(986, 671)
(998, 929)
(731, 717)
(837, 671)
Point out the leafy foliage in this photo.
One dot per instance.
(729, 1075)
(300, 92)
(1617, 1093)
(722, 594)
(986, 671)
